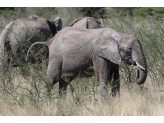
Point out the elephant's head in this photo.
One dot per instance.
(101, 22)
(127, 48)
(131, 52)
(87, 23)
(58, 23)
(33, 17)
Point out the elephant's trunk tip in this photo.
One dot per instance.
(141, 76)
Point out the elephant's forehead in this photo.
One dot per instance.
(113, 33)
(116, 36)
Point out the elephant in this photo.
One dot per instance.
(72, 51)
(19, 34)
(87, 23)
(58, 22)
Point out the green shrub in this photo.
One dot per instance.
(7, 13)
(96, 12)
(140, 11)
(45, 12)
(123, 11)
(151, 11)
(9, 8)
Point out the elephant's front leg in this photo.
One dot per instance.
(104, 73)
(115, 82)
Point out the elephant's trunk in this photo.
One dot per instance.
(139, 58)
(141, 76)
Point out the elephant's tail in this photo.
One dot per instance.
(36, 43)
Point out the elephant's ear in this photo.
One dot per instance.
(107, 47)
(100, 22)
(52, 27)
(58, 23)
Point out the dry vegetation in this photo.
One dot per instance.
(133, 101)
(23, 95)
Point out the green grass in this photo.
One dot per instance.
(144, 11)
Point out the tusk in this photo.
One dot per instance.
(140, 66)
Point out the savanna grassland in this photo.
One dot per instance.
(23, 95)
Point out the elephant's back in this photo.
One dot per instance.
(25, 29)
(30, 25)
(73, 42)
(70, 36)
(77, 33)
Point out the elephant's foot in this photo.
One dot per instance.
(62, 88)
(115, 91)
(102, 87)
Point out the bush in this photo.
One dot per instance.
(123, 11)
(153, 11)
(140, 11)
(45, 12)
(7, 12)
(96, 12)
(5, 8)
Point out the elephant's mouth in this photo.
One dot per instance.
(129, 60)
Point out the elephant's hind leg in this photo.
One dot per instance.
(63, 86)
(53, 75)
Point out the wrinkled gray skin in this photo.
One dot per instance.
(87, 23)
(19, 34)
(73, 51)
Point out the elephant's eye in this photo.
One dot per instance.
(128, 53)
(129, 49)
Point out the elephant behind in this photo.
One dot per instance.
(19, 34)
(87, 23)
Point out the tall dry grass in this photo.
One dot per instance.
(134, 101)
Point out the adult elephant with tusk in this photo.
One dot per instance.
(73, 51)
